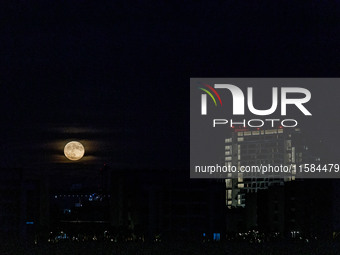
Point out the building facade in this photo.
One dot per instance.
(275, 147)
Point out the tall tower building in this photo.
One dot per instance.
(277, 146)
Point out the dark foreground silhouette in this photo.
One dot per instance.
(167, 248)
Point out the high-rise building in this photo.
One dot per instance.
(246, 147)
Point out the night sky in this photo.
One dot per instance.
(115, 75)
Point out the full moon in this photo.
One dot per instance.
(74, 150)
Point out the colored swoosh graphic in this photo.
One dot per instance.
(209, 95)
(215, 92)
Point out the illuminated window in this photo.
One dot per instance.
(228, 140)
(289, 145)
(240, 133)
(228, 183)
(228, 158)
(240, 177)
(256, 132)
(280, 130)
(270, 131)
(229, 193)
(294, 169)
(240, 139)
(227, 147)
(247, 133)
(240, 185)
(227, 153)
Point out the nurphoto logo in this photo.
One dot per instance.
(238, 99)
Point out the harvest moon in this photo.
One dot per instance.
(74, 150)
